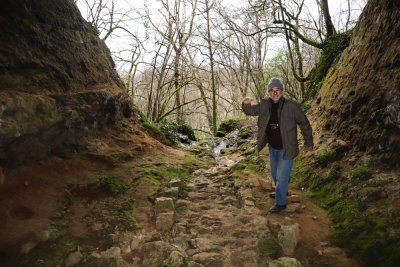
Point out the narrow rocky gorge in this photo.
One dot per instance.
(84, 183)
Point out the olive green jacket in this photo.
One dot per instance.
(290, 115)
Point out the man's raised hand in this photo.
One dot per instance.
(247, 101)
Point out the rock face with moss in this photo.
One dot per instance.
(57, 79)
(360, 99)
(354, 173)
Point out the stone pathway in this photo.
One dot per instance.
(210, 221)
(220, 224)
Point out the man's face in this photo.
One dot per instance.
(275, 93)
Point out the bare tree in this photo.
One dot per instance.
(347, 14)
(205, 31)
(247, 50)
(178, 31)
(211, 57)
(199, 59)
(133, 62)
(105, 17)
(197, 72)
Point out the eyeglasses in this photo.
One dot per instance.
(275, 91)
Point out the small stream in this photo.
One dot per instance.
(230, 141)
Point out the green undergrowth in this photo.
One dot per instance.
(363, 222)
(244, 149)
(202, 153)
(161, 170)
(268, 246)
(120, 213)
(330, 54)
(327, 156)
(174, 133)
(360, 173)
(251, 163)
(106, 208)
(244, 132)
(228, 125)
(111, 185)
(169, 133)
(51, 252)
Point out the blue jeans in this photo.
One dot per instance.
(280, 171)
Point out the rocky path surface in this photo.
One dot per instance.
(211, 219)
(221, 224)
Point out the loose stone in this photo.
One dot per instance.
(73, 259)
(165, 221)
(111, 252)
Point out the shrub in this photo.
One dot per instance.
(172, 130)
(244, 132)
(150, 125)
(227, 126)
(141, 117)
(306, 105)
(330, 54)
(187, 130)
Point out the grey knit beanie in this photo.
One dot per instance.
(274, 82)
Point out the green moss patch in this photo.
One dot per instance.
(330, 54)
(111, 185)
(228, 126)
(360, 173)
(363, 224)
(244, 132)
(268, 246)
(252, 163)
(324, 157)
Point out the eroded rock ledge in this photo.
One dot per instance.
(57, 80)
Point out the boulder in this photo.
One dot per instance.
(165, 221)
(206, 244)
(176, 182)
(289, 236)
(164, 204)
(175, 259)
(155, 253)
(172, 192)
(111, 252)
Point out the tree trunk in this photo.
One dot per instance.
(300, 68)
(330, 29)
(176, 85)
(213, 89)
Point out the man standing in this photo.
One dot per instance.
(278, 118)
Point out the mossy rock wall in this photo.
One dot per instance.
(360, 98)
(57, 79)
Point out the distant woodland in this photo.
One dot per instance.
(194, 61)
